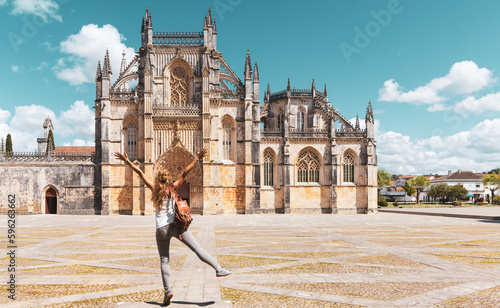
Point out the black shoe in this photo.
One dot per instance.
(166, 299)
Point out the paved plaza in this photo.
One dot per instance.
(384, 260)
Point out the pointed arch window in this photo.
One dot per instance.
(280, 120)
(348, 167)
(268, 168)
(300, 119)
(308, 167)
(132, 140)
(226, 139)
(179, 90)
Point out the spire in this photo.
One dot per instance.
(124, 63)
(98, 74)
(106, 66)
(369, 112)
(288, 86)
(146, 21)
(325, 90)
(215, 27)
(313, 85)
(268, 94)
(255, 73)
(357, 122)
(205, 23)
(248, 66)
(209, 16)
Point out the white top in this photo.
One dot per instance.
(166, 214)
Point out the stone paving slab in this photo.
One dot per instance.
(358, 251)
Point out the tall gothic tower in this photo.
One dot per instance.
(185, 97)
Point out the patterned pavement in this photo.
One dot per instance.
(384, 260)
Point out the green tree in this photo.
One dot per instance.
(438, 191)
(457, 192)
(419, 183)
(410, 190)
(8, 144)
(496, 170)
(50, 143)
(383, 179)
(492, 182)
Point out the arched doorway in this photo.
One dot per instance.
(175, 159)
(184, 191)
(51, 201)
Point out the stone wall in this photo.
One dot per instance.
(29, 181)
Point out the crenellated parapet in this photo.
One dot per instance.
(178, 38)
(19, 157)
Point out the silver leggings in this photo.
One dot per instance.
(163, 236)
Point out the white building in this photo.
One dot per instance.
(473, 182)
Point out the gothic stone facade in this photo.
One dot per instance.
(306, 158)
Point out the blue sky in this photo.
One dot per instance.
(430, 68)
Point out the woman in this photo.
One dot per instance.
(164, 205)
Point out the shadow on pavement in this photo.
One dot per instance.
(495, 220)
(200, 304)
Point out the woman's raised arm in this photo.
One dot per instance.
(124, 157)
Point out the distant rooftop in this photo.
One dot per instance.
(74, 149)
(460, 175)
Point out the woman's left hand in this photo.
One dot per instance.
(201, 153)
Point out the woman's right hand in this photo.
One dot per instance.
(121, 156)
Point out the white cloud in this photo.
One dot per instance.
(432, 142)
(463, 78)
(467, 150)
(15, 68)
(392, 92)
(490, 102)
(79, 120)
(88, 46)
(4, 115)
(45, 9)
(26, 125)
(3, 2)
(41, 67)
(49, 47)
(438, 107)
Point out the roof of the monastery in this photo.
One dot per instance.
(74, 149)
(461, 175)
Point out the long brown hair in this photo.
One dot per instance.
(162, 181)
